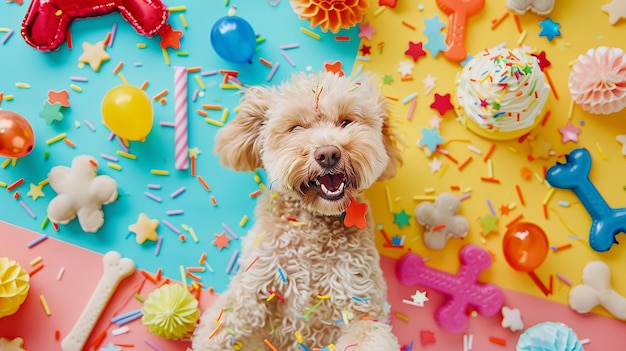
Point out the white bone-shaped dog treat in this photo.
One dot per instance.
(596, 290)
(540, 7)
(116, 269)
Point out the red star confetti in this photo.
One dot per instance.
(365, 50)
(542, 61)
(61, 97)
(334, 67)
(221, 240)
(427, 337)
(504, 210)
(442, 104)
(415, 50)
(569, 133)
(170, 38)
(355, 214)
(366, 31)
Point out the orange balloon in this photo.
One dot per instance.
(17, 138)
(525, 246)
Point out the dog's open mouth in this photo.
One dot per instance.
(330, 186)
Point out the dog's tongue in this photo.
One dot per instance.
(332, 182)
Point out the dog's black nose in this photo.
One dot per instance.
(327, 156)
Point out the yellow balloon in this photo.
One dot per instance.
(127, 111)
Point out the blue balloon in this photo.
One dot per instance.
(233, 39)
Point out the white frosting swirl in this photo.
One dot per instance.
(502, 90)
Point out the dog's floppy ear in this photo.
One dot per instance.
(239, 142)
(392, 144)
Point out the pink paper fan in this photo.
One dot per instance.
(597, 80)
(331, 15)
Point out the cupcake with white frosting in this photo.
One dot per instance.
(501, 93)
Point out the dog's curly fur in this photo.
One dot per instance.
(322, 139)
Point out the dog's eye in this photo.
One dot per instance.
(345, 123)
(295, 128)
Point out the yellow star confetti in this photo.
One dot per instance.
(35, 191)
(94, 55)
(11, 345)
(144, 228)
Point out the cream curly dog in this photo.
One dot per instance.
(313, 282)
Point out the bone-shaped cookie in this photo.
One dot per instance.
(463, 289)
(116, 269)
(606, 222)
(540, 7)
(596, 291)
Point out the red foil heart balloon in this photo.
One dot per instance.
(17, 138)
(47, 21)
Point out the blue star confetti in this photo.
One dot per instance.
(549, 29)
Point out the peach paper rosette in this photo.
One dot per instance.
(14, 286)
(597, 80)
(331, 15)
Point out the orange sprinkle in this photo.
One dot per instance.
(98, 341)
(229, 72)
(438, 227)
(514, 220)
(563, 247)
(202, 113)
(391, 98)
(15, 184)
(519, 194)
(497, 340)
(194, 69)
(69, 142)
(342, 38)
(158, 274)
(193, 166)
(518, 25)
(490, 180)
(265, 62)
(68, 35)
(182, 237)
(57, 335)
(213, 200)
(556, 95)
(35, 270)
(202, 258)
(204, 184)
(93, 162)
(144, 85)
(125, 345)
(193, 276)
(55, 225)
(406, 24)
(149, 276)
(162, 101)
(195, 269)
(406, 78)
(450, 157)
(118, 68)
(496, 22)
(106, 39)
(219, 326)
(545, 212)
(16, 195)
(489, 152)
(254, 194)
(211, 107)
(465, 163)
(269, 344)
(160, 95)
(544, 120)
(455, 187)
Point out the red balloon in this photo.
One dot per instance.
(17, 138)
(525, 246)
(47, 21)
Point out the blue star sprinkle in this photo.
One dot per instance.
(549, 29)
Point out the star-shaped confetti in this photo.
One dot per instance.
(355, 214)
(334, 67)
(435, 165)
(429, 83)
(489, 223)
(419, 298)
(427, 337)
(51, 112)
(170, 38)
(542, 60)
(512, 319)
(569, 133)
(406, 67)
(401, 219)
(194, 152)
(16, 344)
(62, 97)
(415, 50)
(366, 30)
(387, 79)
(144, 229)
(442, 104)
(540, 147)
(94, 55)
(622, 140)
(504, 209)
(616, 10)
(435, 46)
(549, 29)
(365, 50)
(35, 192)
(433, 25)
(526, 173)
(221, 240)
(435, 121)
(430, 138)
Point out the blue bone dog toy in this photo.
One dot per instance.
(606, 222)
